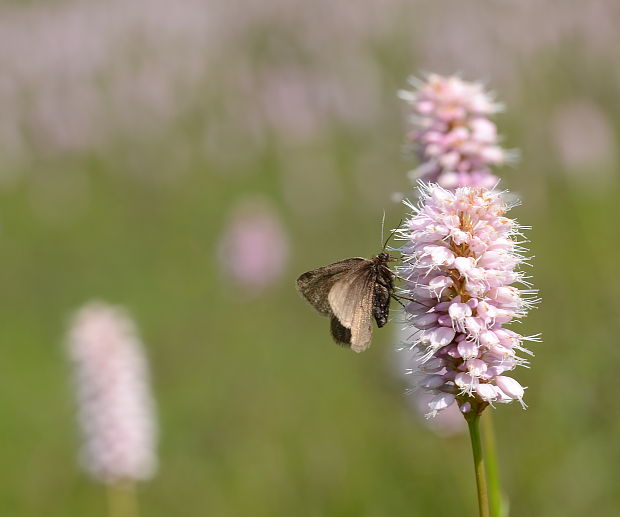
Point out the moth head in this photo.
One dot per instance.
(384, 257)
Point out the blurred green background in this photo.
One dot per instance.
(132, 136)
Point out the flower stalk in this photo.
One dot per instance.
(122, 500)
(473, 421)
(497, 503)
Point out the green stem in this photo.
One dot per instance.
(496, 499)
(122, 500)
(473, 422)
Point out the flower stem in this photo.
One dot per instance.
(122, 500)
(473, 421)
(496, 500)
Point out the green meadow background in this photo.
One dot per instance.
(125, 198)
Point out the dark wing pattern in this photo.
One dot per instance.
(315, 285)
(341, 335)
(351, 300)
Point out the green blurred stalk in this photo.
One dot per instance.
(473, 421)
(496, 500)
(122, 500)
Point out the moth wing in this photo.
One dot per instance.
(315, 285)
(345, 297)
(361, 330)
(351, 301)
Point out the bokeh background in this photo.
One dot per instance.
(188, 160)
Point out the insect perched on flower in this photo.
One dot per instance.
(351, 292)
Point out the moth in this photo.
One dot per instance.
(351, 292)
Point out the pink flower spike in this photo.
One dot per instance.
(451, 132)
(253, 250)
(115, 406)
(464, 341)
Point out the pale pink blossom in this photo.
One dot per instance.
(451, 132)
(115, 406)
(463, 350)
(253, 250)
(585, 142)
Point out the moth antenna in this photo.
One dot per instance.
(382, 227)
(391, 234)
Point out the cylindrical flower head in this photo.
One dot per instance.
(115, 407)
(459, 260)
(253, 250)
(451, 132)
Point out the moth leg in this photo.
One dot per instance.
(393, 296)
(384, 284)
(399, 297)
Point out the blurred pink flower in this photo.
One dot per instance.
(585, 141)
(451, 132)
(460, 254)
(253, 249)
(115, 406)
(476, 37)
(79, 74)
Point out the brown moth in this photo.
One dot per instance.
(351, 292)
